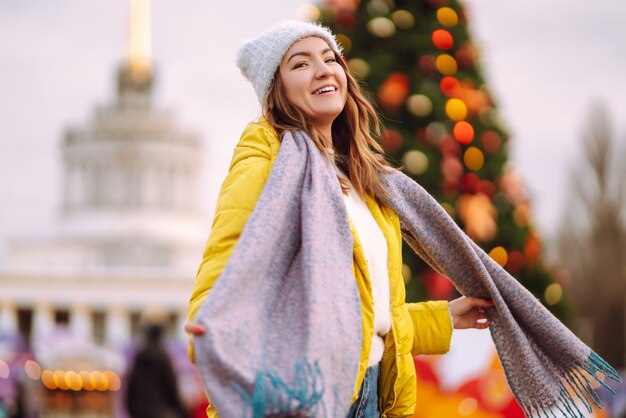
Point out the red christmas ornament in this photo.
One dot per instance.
(465, 56)
(491, 141)
(438, 286)
(450, 86)
(450, 187)
(515, 262)
(470, 183)
(487, 188)
(346, 21)
(427, 65)
(442, 39)
(450, 146)
(426, 137)
(437, 3)
(391, 140)
(463, 132)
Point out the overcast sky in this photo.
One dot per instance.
(546, 61)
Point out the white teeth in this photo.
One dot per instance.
(324, 90)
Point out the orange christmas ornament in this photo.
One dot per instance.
(446, 64)
(393, 91)
(463, 132)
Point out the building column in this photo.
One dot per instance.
(80, 322)
(8, 318)
(43, 321)
(117, 327)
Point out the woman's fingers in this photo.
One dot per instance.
(194, 328)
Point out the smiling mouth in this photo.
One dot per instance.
(326, 89)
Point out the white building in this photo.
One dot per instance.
(129, 238)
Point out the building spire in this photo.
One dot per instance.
(139, 45)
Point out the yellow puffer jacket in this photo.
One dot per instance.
(417, 328)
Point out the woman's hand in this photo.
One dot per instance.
(468, 312)
(194, 328)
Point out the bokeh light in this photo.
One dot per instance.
(393, 91)
(382, 27)
(419, 105)
(553, 294)
(463, 132)
(446, 64)
(473, 158)
(73, 381)
(32, 369)
(415, 162)
(470, 183)
(114, 380)
(456, 109)
(447, 17)
(87, 383)
(450, 86)
(346, 21)
(359, 67)
(377, 8)
(442, 39)
(308, 12)
(47, 378)
(403, 19)
(406, 273)
(451, 167)
(491, 141)
(499, 255)
(467, 406)
(391, 140)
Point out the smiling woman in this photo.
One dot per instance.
(326, 329)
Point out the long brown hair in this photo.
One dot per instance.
(355, 133)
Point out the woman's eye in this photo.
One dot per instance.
(332, 59)
(299, 65)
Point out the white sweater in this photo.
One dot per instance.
(375, 250)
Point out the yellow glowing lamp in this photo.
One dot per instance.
(139, 48)
(47, 378)
(447, 17)
(499, 255)
(446, 64)
(456, 109)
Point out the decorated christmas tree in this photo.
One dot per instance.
(417, 59)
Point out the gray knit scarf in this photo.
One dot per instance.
(283, 321)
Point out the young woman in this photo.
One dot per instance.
(312, 90)
(304, 85)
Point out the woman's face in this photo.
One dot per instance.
(314, 81)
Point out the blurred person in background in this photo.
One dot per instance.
(152, 390)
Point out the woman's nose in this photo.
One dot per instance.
(323, 70)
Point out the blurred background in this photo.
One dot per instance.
(117, 127)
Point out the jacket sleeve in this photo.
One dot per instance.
(248, 172)
(432, 327)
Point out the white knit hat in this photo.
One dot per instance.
(259, 58)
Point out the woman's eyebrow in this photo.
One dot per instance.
(306, 54)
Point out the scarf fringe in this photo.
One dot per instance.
(272, 396)
(578, 381)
